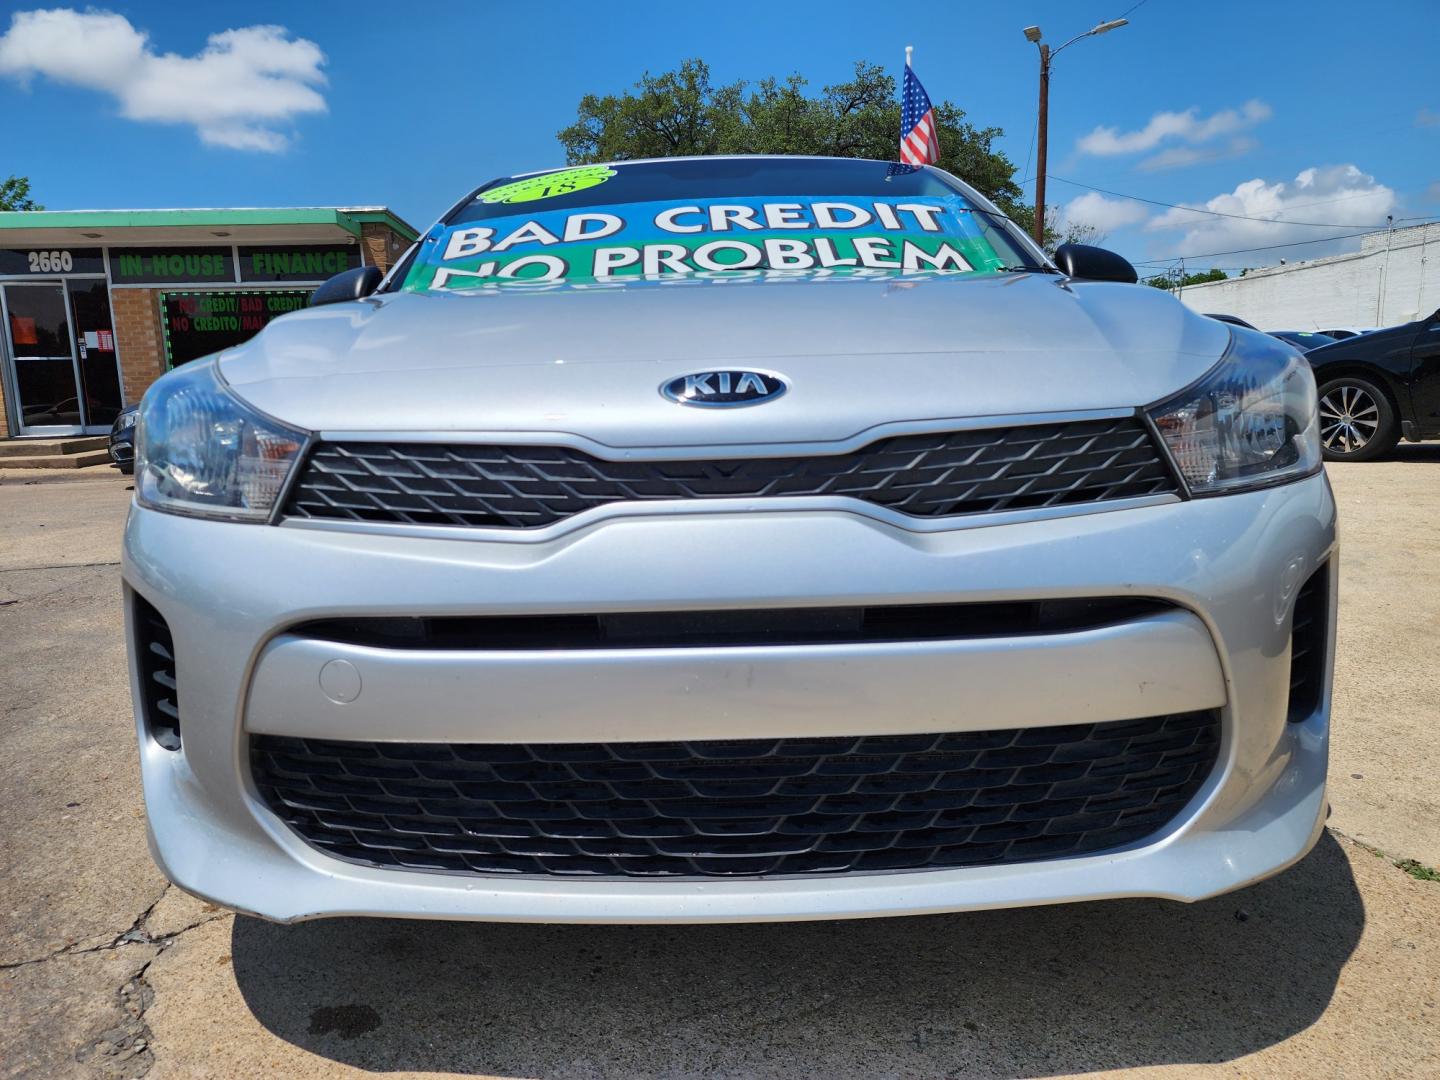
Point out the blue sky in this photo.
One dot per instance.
(1302, 112)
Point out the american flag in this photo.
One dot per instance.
(919, 141)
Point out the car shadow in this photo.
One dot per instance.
(1029, 992)
(1417, 452)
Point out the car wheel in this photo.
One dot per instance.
(1357, 422)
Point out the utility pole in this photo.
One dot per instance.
(1384, 272)
(1032, 34)
(1420, 284)
(1042, 144)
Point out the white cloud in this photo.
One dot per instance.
(1427, 117)
(1176, 157)
(1336, 196)
(1187, 127)
(235, 92)
(1102, 214)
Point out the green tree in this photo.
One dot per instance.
(1165, 281)
(682, 112)
(15, 194)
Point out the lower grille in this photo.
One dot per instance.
(729, 808)
(945, 474)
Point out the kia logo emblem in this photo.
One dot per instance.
(727, 389)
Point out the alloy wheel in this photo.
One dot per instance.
(1349, 419)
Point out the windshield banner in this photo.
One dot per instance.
(663, 239)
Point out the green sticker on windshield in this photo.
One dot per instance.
(549, 185)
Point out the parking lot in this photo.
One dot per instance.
(1332, 968)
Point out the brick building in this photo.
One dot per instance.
(95, 305)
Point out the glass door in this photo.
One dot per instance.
(61, 356)
(42, 359)
(100, 396)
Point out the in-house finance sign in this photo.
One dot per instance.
(668, 239)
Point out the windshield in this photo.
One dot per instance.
(715, 216)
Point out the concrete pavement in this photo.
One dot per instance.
(1330, 969)
(1386, 743)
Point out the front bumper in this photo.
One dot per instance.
(122, 448)
(1233, 565)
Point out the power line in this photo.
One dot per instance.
(1268, 247)
(1166, 270)
(1218, 213)
(1273, 247)
(1176, 260)
(1171, 264)
(1030, 147)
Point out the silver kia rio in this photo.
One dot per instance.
(731, 539)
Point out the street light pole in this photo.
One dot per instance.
(1032, 34)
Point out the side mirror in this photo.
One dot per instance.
(1094, 264)
(348, 285)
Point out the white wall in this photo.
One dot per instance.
(1363, 289)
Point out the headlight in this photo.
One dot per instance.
(1250, 422)
(201, 450)
(127, 420)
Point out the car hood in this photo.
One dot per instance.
(857, 352)
(1373, 345)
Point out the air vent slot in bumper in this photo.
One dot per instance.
(1309, 638)
(739, 627)
(159, 689)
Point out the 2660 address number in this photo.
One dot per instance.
(51, 262)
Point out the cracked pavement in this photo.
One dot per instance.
(1330, 969)
(121, 1049)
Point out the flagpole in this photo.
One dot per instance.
(909, 49)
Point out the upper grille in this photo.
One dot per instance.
(939, 475)
(740, 807)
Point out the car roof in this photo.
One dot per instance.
(624, 162)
